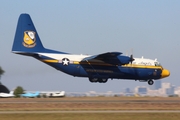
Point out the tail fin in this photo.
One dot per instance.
(11, 92)
(26, 37)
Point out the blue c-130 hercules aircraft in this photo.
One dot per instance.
(98, 68)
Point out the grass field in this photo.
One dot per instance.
(88, 104)
(92, 116)
(91, 103)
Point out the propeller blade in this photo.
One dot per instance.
(131, 59)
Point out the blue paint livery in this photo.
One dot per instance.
(98, 68)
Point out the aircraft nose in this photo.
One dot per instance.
(165, 73)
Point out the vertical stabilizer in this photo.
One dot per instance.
(26, 37)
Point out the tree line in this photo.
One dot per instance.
(19, 90)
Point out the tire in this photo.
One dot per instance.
(103, 80)
(150, 82)
(93, 80)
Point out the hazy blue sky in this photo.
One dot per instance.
(151, 28)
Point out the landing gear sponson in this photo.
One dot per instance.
(104, 80)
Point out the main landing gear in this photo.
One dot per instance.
(100, 80)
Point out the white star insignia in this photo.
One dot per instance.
(65, 61)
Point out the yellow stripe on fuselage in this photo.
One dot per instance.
(75, 62)
(51, 61)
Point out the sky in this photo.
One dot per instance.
(144, 28)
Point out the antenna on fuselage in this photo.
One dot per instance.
(127, 53)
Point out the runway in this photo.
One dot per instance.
(125, 101)
(88, 100)
(104, 111)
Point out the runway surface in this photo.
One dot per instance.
(105, 111)
(88, 100)
(122, 101)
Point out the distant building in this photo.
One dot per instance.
(177, 91)
(142, 90)
(157, 84)
(168, 89)
(166, 85)
(127, 90)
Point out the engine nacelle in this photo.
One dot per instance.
(125, 59)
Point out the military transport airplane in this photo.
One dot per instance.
(98, 68)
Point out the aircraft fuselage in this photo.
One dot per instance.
(73, 65)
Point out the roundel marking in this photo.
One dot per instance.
(65, 61)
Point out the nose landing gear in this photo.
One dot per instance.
(150, 82)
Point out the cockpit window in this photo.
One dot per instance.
(157, 64)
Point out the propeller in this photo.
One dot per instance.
(131, 58)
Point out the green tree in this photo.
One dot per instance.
(19, 90)
(1, 73)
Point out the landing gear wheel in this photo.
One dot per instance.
(93, 80)
(150, 82)
(103, 80)
(100, 80)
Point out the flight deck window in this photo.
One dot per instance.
(157, 64)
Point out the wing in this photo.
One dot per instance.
(113, 58)
(102, 65)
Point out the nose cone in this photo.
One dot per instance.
(165, 73)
